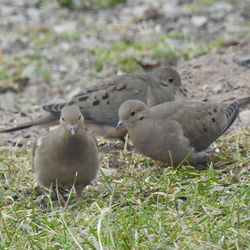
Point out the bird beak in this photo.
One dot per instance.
(72, 129)
(183, 91)
(120, 124)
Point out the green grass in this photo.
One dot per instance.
(138, 204)
(127, 55)
(46, 74)
(71, 37)
(4, 75)
(194, 48)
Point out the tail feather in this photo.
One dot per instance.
(39, 121)
(55, 108)
(241, 102)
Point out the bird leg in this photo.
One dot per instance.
(123, 139)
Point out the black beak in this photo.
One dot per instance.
(120, 124)
(183, 91)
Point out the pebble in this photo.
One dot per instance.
(67, 27)
(243, 60)
(13, 44)
(7, 100)
(245, 117)
(199, 21)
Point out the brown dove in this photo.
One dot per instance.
(170, 131)
(67, 155)
(99, 103)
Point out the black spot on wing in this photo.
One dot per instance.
(96, 102)
(90, 91)
(106, 96)
(80, 94)
(83, 98)
(71, 103)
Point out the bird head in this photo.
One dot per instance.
(170, 78)
(72, 119)
(130, 111)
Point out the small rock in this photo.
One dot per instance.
(227, 7)
(245, 117)
(65, 46)
(34, 15)
(221, 85)
(243, 60)
(245, 9)
(28, 71)
(6, 11)
(63, 68)
(67, 27)
(217, 15)
(7, 100)
(151, 13)
(31, 91)
(15, 44)
(171, 11)
(199, 21)
(239, 85)
(218, 87)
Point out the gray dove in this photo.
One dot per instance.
(170, 131)
(67, 155)
(99, 103)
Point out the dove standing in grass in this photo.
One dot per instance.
(68, 155)
(170, 131)
(99, 103)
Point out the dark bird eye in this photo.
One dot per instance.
(132, 113)
(170, 80)
(63, 118)
(79, 117)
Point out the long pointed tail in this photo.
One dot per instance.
(39, 121)
(241, 102)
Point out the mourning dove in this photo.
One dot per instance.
(67, 155)
(169, 131)
(99, 103)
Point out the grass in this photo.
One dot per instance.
(135, 203)
(127, 55)
(71, 37)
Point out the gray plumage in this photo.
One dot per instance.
(67, 154)
(177, 127)
(99, 103)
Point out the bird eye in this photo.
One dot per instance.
(132, 113)
(79, 117)
(170, 80)
(63, 118)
